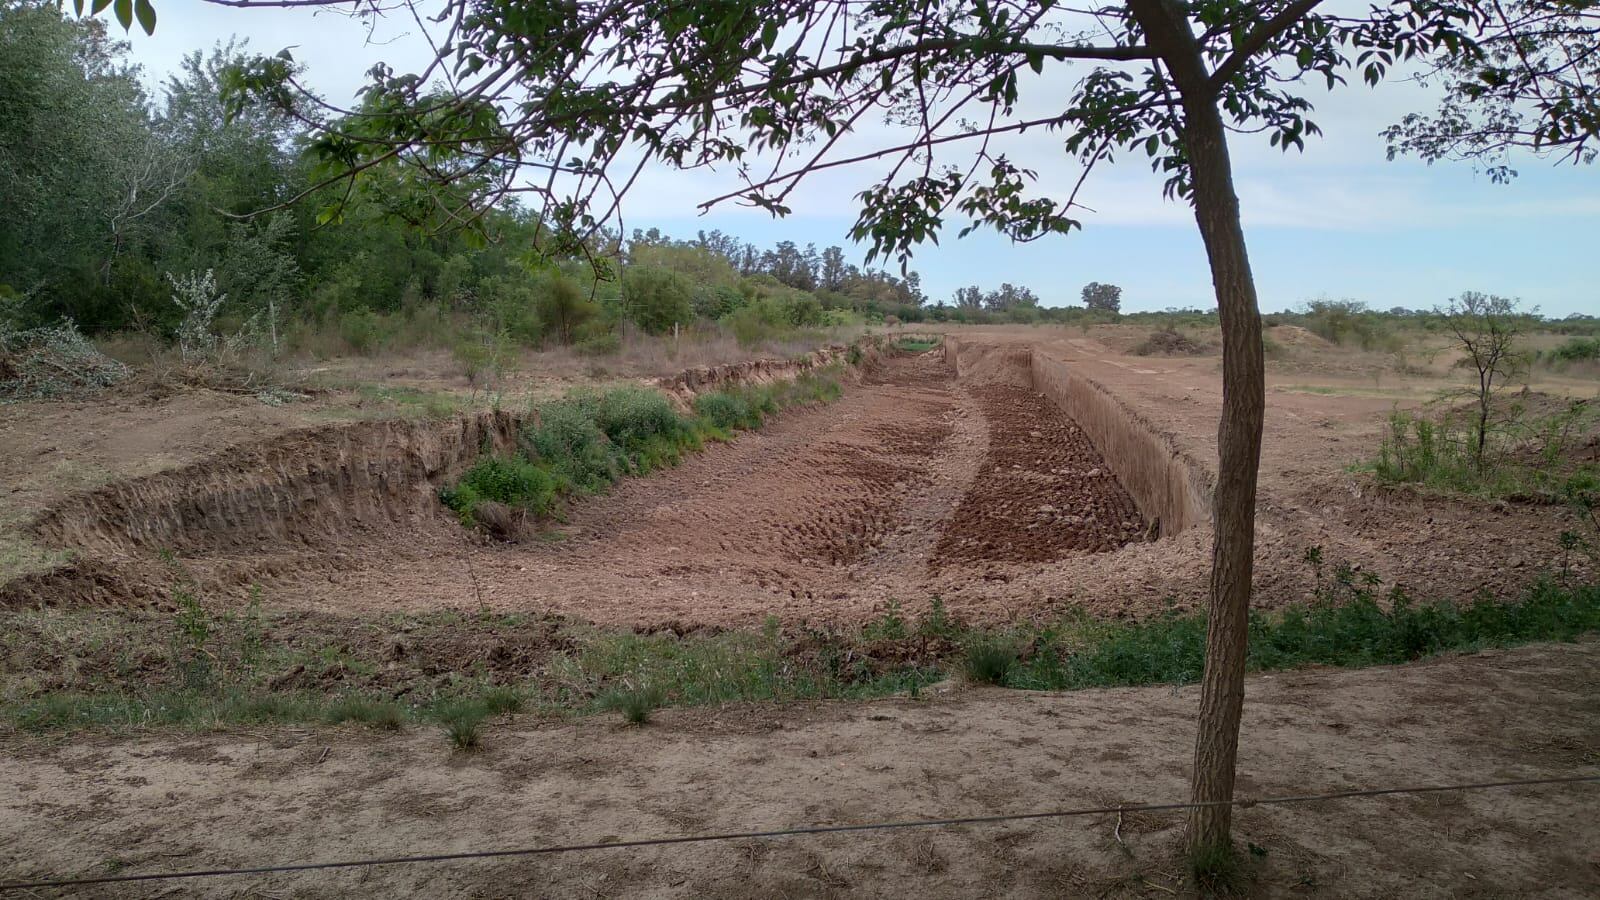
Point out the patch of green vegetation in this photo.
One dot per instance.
(510, 480)
(1524, 457)
(916, 344)
(1576, 349)
(1346, 627)
(462, 721)
(587, 440)
(635, 701)
(94, 670)
(412, 402)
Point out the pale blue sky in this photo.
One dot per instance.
(1337, 220)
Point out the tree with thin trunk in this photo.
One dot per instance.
(1485, 328)
(578, 97)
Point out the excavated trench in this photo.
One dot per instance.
(984, 475)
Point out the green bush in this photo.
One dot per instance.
(364, 330)
(1576, 350)
(1347, 627)
(562, 309)
(990, 661)
(510, 480)
(585, 441)
(567, 440)
(657, 299)
(726, 410)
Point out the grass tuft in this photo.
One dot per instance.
(379, 714)
(990, 661)
(635, 702)
(463, 722)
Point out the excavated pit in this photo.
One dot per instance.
(977, 474)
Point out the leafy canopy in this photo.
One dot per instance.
(578, 97)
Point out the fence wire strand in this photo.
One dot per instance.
(1242, 803)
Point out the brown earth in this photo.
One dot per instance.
(95, 805)
(914, 486)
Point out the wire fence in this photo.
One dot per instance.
(1243, 803)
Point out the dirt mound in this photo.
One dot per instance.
(1294, 335)
(1044, 492)
(1169, 342)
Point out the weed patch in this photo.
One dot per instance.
(586, 441)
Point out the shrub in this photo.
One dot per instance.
(561, 307)
(511, 305)
(567, 440)
(716, 301)
(657, 299)
(1171, 342)
(632, 417)
(1576, 350)
(509, 480)
(727, 410)
(363, 329)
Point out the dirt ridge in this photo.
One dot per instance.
(275, 499)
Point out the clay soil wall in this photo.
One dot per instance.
(1169, 485)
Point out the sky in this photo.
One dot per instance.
(1338, 220)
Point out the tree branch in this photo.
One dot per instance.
(1258, 39)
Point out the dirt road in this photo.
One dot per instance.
(97, 804)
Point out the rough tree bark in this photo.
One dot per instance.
(1216, 210)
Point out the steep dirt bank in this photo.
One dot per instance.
(161, 802)
(304, 499)
(913, 486)
(1171, 488)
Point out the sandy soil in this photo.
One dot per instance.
(140, 804)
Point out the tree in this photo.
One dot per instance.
(1485, 328)
(969, 297)
(657, 299)
(1008, 297)
(1528, 79)
(562, 308)
(571, 89)
(1107, 297)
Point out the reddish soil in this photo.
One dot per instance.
(99, 804)
(1043, 492)
(915, 485)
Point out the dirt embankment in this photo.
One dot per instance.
(855, 358)
(303, 498)
(1171, 488)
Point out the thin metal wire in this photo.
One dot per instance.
(1243, 803)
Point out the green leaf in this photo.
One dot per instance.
(124, 11)
(769, 33)
(146, 14)
(98, 7)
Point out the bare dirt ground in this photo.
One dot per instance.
(910, 487)
(916, 485)
(96, 805)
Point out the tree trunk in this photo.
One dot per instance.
(1216, 209)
